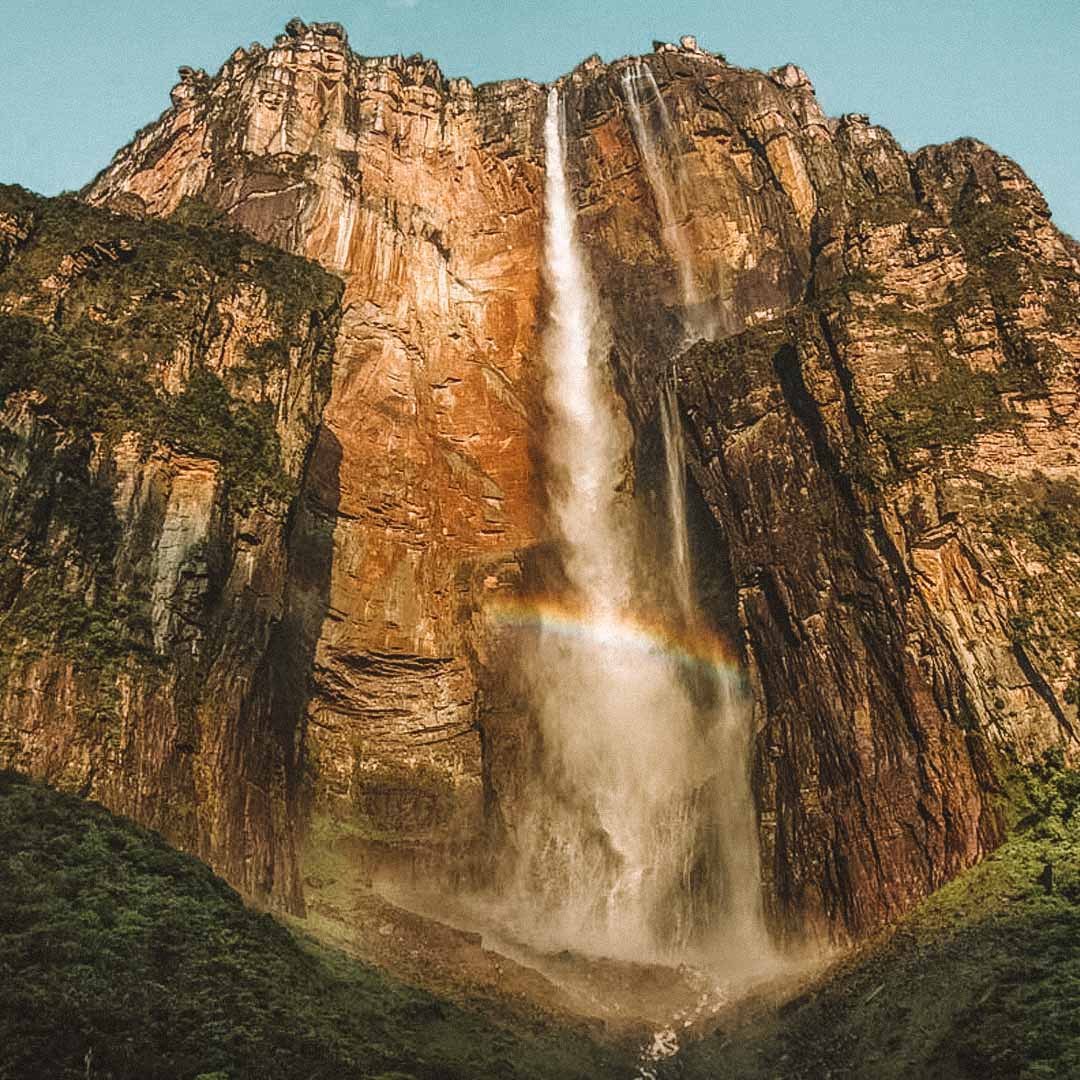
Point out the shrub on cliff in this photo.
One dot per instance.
(138, 292)
(111, 325)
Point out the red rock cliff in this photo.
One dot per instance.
(883, 445)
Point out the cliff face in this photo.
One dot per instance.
(894, 464)
(160, 389)
(885, 442)
(884, 500)
(426, 196)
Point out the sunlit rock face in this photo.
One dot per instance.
(841, 541)
(425, 195)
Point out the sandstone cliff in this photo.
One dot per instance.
(882, 456)
(161, 387)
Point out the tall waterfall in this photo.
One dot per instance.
(587, 444)
(723, 710)
(623, 845)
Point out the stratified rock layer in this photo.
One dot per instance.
(425, 195)
(160, 390)
(897, 376)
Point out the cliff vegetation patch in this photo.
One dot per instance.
(942, 413)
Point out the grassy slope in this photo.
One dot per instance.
(122, 958)
(982, 981)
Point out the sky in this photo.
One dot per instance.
(79, 77)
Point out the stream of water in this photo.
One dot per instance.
(638, 838)
(658, 144)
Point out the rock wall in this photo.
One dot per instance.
(161, 388)
(877, 448)
(424, 194)
(896, 379)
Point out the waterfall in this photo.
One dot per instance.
(675, 469)
(725, 711)
(664, 170)
(619, 839)
(586, 444)
(737, 844)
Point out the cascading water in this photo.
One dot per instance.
(607, 836)
(675, 469)
(658, 145)
(726, 713)
(624, 848)
(586, 444)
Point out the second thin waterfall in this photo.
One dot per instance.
(675, 475)
(619, 844)
(658, 145)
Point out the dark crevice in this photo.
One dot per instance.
(1042, 688)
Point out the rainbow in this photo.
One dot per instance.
(694, 646)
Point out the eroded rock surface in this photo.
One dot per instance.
(882, 439)
(425, 195)
(161, 388)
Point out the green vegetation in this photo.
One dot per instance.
(1043, 510)
(87, 388)
(1037, 519)
(945, 412)
(957, 403)
(121, 958)
(57, 577)
(981, 982)
(886, 209)
(986, 228)
(861, 283)
(152, 292)
(96, 636)
(988, 232)
(170, 270)
(99, 307)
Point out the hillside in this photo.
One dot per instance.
(124, 958)
(980, 982)
(121, 958)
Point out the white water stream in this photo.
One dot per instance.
(627, 846)
(677, 532)
(658, 144)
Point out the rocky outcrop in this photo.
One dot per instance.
(161, 388)
(896, 377)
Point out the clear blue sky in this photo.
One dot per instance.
(80, 76)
